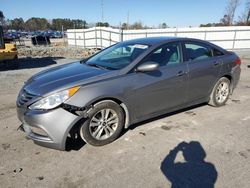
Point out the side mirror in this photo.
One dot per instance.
(128, 49)
(148, 66)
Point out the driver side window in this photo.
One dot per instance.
(166, 55)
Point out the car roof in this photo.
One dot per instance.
(157, 40)
(161, 40)
(151, 40)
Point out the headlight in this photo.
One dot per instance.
(54, 100)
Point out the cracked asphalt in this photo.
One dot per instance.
(202, 145)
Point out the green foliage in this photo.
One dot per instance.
(17, 24)
(68, 24)
(136, 25)
(164, 26)
(100, 24)
(58, 23)
(33, 24)
(125, 26)
(212, 25)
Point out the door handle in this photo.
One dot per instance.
(180, 73)
(216, 63)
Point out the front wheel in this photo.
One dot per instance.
(104, 124)
(220, 93)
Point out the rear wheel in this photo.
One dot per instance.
(220, 93)
(104, 124)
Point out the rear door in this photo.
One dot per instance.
(203, 68)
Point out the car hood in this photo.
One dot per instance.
(65, 76)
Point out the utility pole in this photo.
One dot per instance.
(102, 11)
(75, 32)
(63, 36)
(128, 20)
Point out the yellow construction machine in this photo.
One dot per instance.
(8, 53)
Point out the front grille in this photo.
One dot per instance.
(25, 97)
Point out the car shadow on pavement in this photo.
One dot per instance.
(74, 144)
(194, 172)
(29, 63)
(133, 126)
(74, 141)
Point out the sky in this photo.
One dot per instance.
(175, 13)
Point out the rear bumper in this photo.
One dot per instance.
(236, 71)
(55, 124)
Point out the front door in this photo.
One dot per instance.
(166, 88)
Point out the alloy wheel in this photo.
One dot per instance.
(103, 124)
(222, 92)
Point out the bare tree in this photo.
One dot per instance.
(244, 19)
(136, 25)
(230, 11)
(248, 11)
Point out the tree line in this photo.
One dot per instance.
(34, 24)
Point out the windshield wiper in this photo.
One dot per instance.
(96, 65)
(100, 66)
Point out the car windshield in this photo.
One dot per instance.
(117, 56)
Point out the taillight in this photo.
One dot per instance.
(237, 62)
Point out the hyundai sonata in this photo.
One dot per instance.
(126, 83)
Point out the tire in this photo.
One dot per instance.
(220, 93)
(106, 116)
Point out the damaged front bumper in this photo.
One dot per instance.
(47, 128)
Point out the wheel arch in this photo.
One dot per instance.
(230, 78)
(117, 101)
(76, 124)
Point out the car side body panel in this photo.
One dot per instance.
(119, 88)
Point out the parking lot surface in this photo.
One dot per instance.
(216, 144)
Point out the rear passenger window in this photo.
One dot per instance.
(197, 51)
(217, 53)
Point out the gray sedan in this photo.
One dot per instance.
(129, 82)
